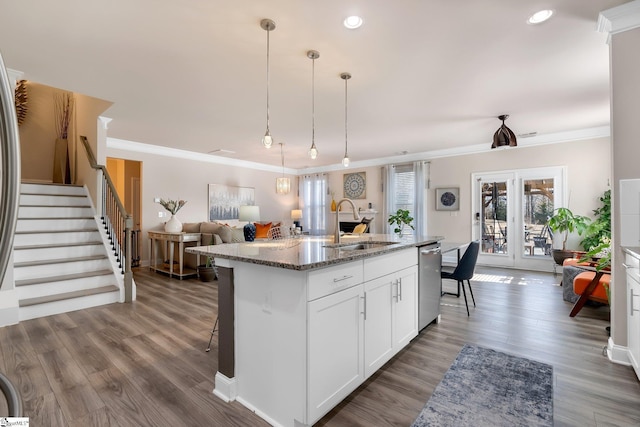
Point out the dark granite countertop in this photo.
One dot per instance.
(310, 252)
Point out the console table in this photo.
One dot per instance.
(168, 241)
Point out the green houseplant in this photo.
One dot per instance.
(565, 222)
(600, 228)
(399, 220)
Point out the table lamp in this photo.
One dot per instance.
(250, 214)
(296, 214)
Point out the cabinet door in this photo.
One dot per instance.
(378, 341)
(335, 349)
(634, 321)
(405, 307)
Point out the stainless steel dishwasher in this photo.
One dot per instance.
(429, 284)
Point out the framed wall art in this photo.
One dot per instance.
(355, 185)
(448, 199)
(225, 201)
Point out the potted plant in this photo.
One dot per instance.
(600, 228)
(400, 219)
(207, 272)
(566, 222)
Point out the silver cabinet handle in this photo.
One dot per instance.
(430, 251)
(364, 305)
(399, 290)
(631, 309)
(342, 278)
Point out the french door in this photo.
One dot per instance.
(511, 210)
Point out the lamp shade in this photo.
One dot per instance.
(249, 213)
(296, 214)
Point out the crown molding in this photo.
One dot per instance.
(485, 147)
(619, 19)
(139, 147)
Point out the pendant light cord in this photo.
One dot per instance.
(282, 158)
(313, 102)
(268, 31)
(345, 118)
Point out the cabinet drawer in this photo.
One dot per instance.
(333, 279)
(387, 263)
(632, 265)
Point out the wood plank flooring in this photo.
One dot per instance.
(143, 364)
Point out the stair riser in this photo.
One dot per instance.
(54, 212)
(64, 306)
(52, 189)
(76, 267)
(54, 288)
(55, 225)
(55, 238)
(51, 200)
(60, 253)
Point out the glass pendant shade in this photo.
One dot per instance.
(268, 25)
(283, 184)
(345, 161)
(313, 152)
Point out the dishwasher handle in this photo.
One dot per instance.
(430, 251)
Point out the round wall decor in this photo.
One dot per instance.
(355, 185)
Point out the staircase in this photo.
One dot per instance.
(60, 261)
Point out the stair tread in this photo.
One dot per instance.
(58, 245)
(59, 260)
(27, 205)
(51, 194)
(26, 282)
(48, 218)
(67, 295)
(74, 230)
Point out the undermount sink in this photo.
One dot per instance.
(359, 246)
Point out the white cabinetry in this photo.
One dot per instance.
(391, 316)
(335, 349)
(633, 314)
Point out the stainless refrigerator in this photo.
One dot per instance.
(429, 284)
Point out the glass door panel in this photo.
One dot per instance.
(493, 217)
(537, 208)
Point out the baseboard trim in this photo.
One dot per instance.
(225, 388)
(617, 353)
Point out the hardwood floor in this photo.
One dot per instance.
(143, 364)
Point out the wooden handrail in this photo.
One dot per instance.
(117, 222)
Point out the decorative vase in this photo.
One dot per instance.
(173, 225)
(333, 205)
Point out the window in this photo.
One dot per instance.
(313, 197)
(406, 184)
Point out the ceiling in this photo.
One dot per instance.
(427, 75)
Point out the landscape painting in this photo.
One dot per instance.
(225, 201)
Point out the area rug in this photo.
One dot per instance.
(484, 387)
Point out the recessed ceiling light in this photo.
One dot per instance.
(353, 22)
(540, 16)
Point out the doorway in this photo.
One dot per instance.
(511, 212)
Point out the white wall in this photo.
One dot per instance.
(588, 173)
(176, 178)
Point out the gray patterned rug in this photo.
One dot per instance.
(485, 387)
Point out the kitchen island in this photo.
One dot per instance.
(304, 321)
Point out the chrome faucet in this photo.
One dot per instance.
(336, 236)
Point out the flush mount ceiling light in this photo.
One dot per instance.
(283, 185)
(353, 22)
(345, 161)
(504, 137)
(540, 16)
(268, 25)
(313, 55)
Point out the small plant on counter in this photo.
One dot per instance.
(399, 220)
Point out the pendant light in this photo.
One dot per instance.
(345, 161)
(504, 137)
(268, 25)
(313, 55)
(283, 185)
